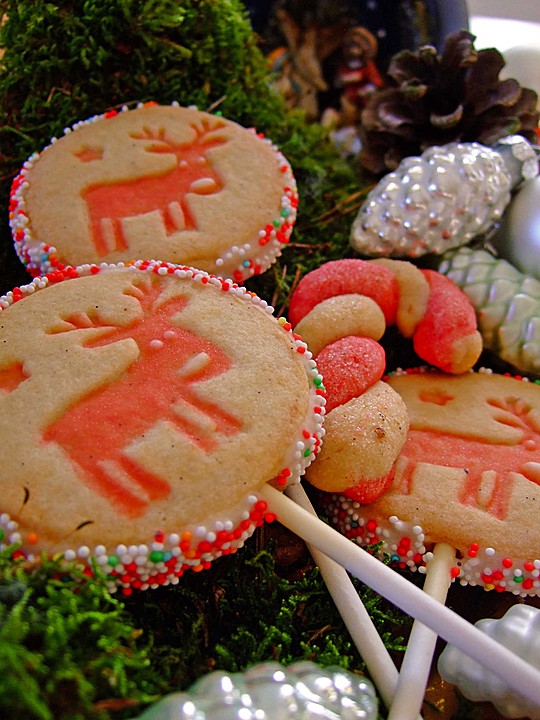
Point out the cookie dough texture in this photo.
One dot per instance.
(223, 435)
(363, 438)
(158, 182)
(469, 471)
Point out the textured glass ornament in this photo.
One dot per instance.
(442, 199)
(518, 238)
(506, 301)
(270, 691)
(518, 630)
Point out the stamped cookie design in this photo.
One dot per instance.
(108, 204)
(497, 447)
(155, 182)
(468, 475)
(141, 410)
(159, 386)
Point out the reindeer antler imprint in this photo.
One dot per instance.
(155, 181)
(171, 362)
(109, 203)
(160, 401)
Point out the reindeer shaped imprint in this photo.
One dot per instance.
(489, 464)
(97, 432)
(109, 203)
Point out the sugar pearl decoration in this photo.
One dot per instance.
(442, 199)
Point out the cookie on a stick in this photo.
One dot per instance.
(141, 410)
(157, 181)
(143, 428)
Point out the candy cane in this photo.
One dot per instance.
(341, 311)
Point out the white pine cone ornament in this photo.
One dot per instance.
(507, 305)
(442, 199)
(270, 691)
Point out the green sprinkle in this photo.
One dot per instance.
(113, 560)
(156, 556)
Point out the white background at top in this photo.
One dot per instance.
(504, 23)
(513, 27)
(518, 9)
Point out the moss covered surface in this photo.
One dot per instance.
(68, 649)
(67, 61)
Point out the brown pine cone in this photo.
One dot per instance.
(437, 99)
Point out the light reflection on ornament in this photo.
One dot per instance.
(270, 690)
(518, 237)
(442, 199)
(518, 630)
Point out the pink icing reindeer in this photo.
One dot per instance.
(108, 203)
(11, 377)
(476, 457)
(160, 386)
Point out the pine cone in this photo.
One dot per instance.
(454, 97)
(506, 301)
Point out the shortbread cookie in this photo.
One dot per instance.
(162, 182)
(141, 410)
(468, 475)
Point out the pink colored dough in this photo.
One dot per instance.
(349, 367)
(342, 277)
(449, 318)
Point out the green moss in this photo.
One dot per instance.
(245, 610)
(66, 61)
(68, 649)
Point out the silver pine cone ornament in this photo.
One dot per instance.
(437, 99)
(507, 305)
(442, 199)
(270, 691)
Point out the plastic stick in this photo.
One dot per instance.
(519, 674)
(416, 665)
(381, 667)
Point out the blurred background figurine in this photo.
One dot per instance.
(328, 56)
(357, 76)
(297, 67)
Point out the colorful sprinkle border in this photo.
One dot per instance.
(163, 559)
(403, 543)
(240, 262)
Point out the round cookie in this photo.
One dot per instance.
(468, 475)
(162, 182)
(141, 409)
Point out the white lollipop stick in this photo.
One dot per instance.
(414, 672)
(381, 668)
(519, 674)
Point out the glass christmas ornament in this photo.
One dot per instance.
(270, 691)
(518, 630)
(442, 199)
(506, 301)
